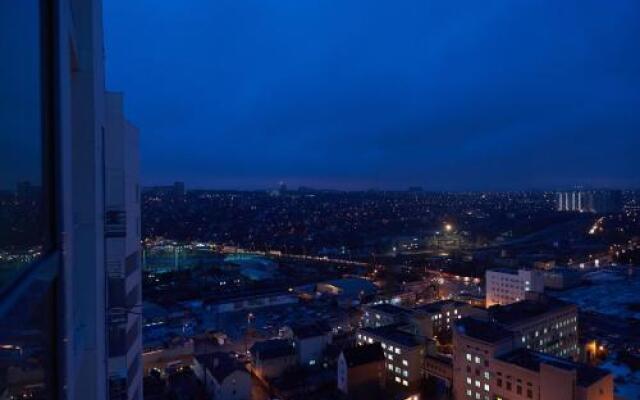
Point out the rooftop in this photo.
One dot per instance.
(481, 330)
(389, 309)
(365, 354)
(586, 374)
(303, 331)
(220, 365)
(354, 285)
(274, 348)
(524, 310)
(438, 305)
(393, 333)
(504, 270)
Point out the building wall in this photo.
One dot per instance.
(554, 333)
(311, 350)
(273, 367)
(80, 105)
(403, 365)
(601, 390)
(506, 288)
(236, 386)
(361, 379)
(473, 369)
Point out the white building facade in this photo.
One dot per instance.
(506, 286)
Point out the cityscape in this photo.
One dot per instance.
(295, 249)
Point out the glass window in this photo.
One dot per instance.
(23, 229)
(28, 306)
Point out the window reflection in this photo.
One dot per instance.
(22, 225)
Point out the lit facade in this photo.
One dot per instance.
(403, 352)
(506, 286)
(490, 364)
(546, 325)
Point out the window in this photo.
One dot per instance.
(28, 265)
(25, 233)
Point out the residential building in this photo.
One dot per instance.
(506, 285)
(546, 325)
(54, 324)
(489, 362)
(361, 370)
(271, 358)
(311, 341)
(436, 319)
(224, 378)
(384, 314)
(404, 352)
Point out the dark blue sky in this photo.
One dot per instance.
(361, 93)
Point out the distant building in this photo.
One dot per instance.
(506, 285)
(490, 363)
(561, 278)
(271, 358)
(593, 201)
(348, 290)
(575, 201)
(311, 341)
(223, 377)
(361, 371)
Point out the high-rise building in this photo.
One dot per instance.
(574, 201)
(592, 201)
(56, 311)
(122, 252)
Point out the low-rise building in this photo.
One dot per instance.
(223, 377)
(404, 352)
(561, 278)
(507, 285)
(348, 290)
(311, 341)
(384, 314)
(361, 370)
(271, 358)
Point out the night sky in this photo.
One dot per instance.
(358, 94)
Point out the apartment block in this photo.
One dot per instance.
(506, 285)
(403, 351)
(489, 363)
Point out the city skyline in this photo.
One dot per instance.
(356, 95)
